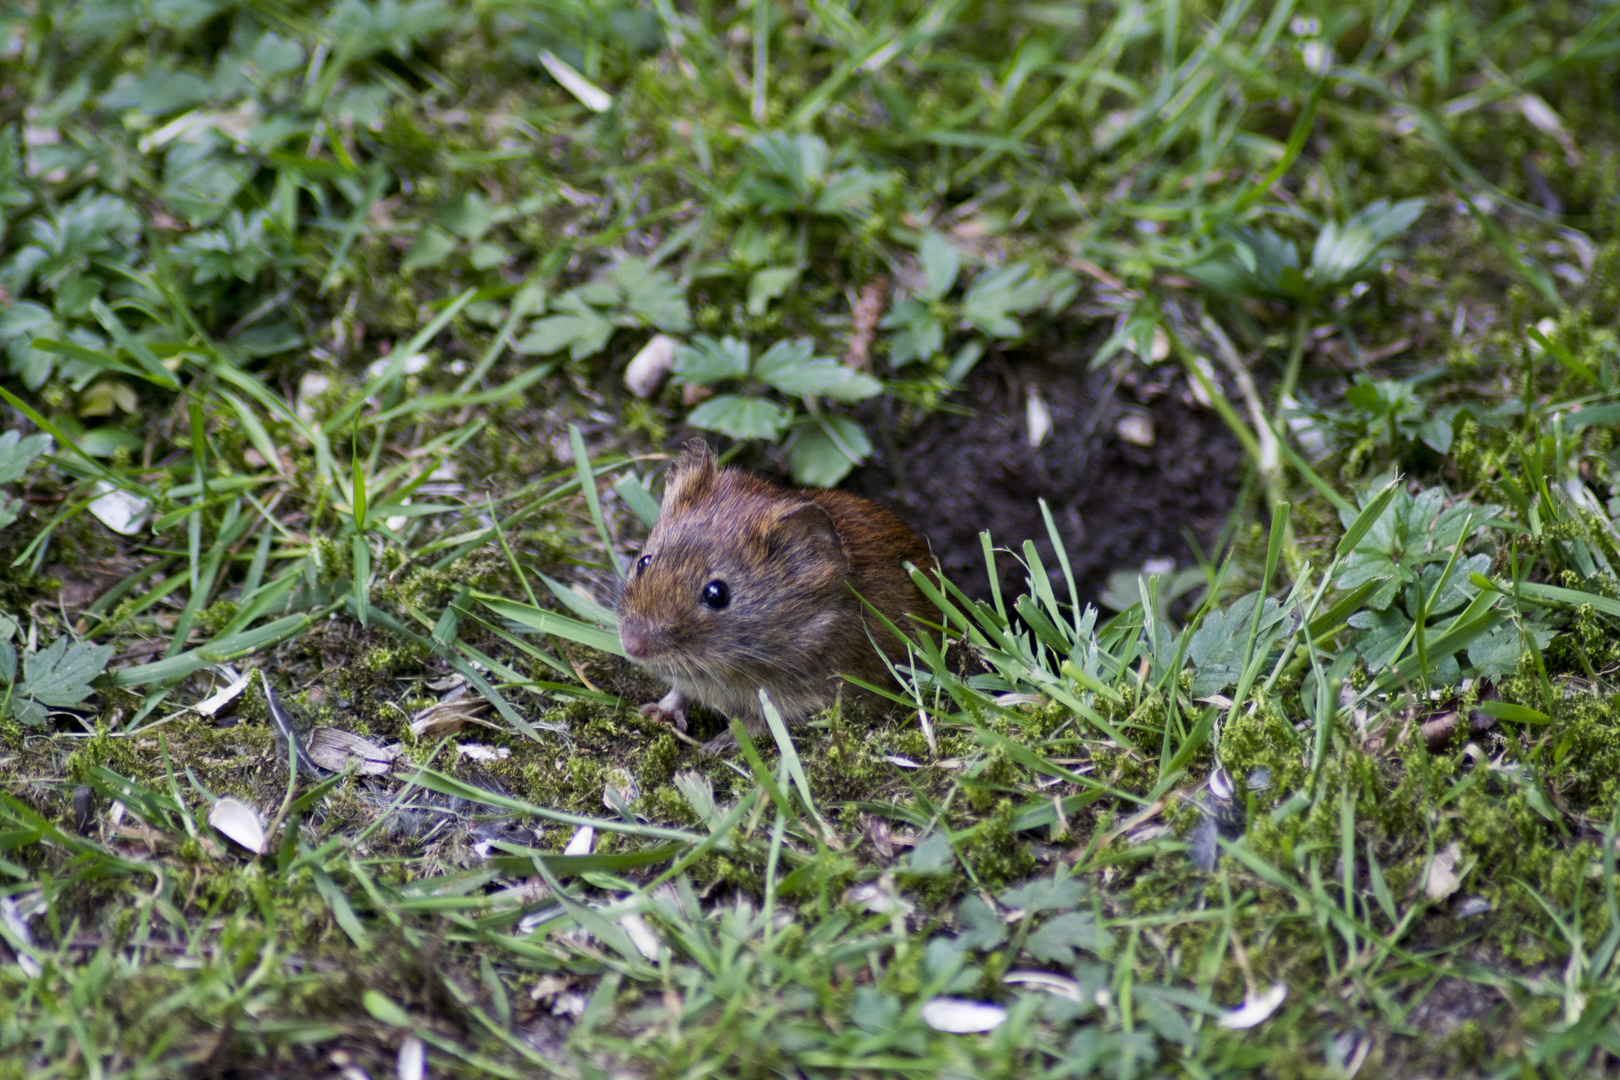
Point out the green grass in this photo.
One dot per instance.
(337, 298)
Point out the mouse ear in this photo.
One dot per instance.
(809, 526)
(691, 476)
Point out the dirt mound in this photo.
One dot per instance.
(1116, 503)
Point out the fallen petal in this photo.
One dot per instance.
(412, 1062)
(119, 510)
(581, 842)
(1038, 415)
(962, 1017)
(1254, 1010)
(641, 935)
(214, 702)
(240, 822)
(1135, 427)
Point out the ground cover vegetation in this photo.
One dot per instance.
(344, 343)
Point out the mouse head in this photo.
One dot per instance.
(736, 575)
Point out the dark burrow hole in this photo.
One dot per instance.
(1117, 504)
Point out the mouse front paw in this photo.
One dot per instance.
(670, 709)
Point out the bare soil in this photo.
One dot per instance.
(1116, 503)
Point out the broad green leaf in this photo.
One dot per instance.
(59, 674)
(17, 453)
(158, 93)
(107, 441)
(931, 856)
(706, 360)
(1497, 654)
(1058, 937)
(790, 368)
(997, 295)
(940, 262)
(469, 217)
(20, 325)
(741, 417)
(582, 335)
(769, 284)
(430, 248)
(849, 192)
(921, 334)
(202, 191)
(1381, 636)
(1044, 894)
(982, 929)
(1217, 648)
(784, 357)
(825, 449)
(652, 296)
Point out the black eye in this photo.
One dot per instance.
(716, 595)
(641, 563)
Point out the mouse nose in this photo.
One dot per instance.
(634, 638)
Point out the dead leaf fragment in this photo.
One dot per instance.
(868, 310)
(214, 702)
(480, 752)
(331, 748)
(447, 717)
(412, 1061)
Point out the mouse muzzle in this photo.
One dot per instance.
(635, 638)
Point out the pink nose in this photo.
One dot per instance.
(634, 639)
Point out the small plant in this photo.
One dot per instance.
(797, 175)
(1259, 263)
(629, 294)
(824, 446)
(1395, 413)
(56, 677)
(16, 454)
(987, 308)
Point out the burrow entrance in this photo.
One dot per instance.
(1117, 503)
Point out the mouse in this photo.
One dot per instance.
(744, 585)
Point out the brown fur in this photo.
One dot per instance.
(794, 562)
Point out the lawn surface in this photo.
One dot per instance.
(1253, 369)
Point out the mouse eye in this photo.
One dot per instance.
(716, 595)
(641, 563)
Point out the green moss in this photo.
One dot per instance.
(997, 853)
